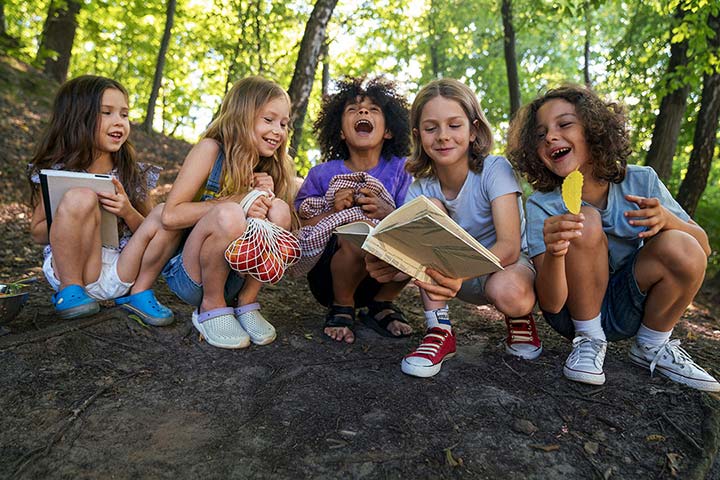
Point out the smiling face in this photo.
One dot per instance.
(271, 126)
(561, 139)
(445, 133)
(363, 125)
(113, 127)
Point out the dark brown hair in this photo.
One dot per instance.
(384, 94)
(419, 164)
(604, 126)
(69, 138)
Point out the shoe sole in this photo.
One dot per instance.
(262, 341)
(83, 310)
(584, 377)
(423, 372)
(524, 355)
(677, 378)
(245, 342)
(153, 321)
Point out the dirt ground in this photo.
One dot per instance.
(105, 397)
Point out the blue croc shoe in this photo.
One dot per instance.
(73, 302)
(146, 306)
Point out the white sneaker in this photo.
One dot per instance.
(220, 328)
(260, 330)
(673, 362)
(585, 363)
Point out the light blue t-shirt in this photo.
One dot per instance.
(622, 237)
(472, 209)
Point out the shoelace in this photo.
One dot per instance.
(431, 344)
(520, 330)
(579, 349)
(679, 355)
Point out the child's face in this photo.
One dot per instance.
(271, 126)
(113, 127)
(561, 138)
(363, 125)
(445, 132)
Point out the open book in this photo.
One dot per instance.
(54, 184)
(420, 235)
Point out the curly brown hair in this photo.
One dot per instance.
(604, 125)
(383, 93)
(419, 164)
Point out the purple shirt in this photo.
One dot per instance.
(391, 173)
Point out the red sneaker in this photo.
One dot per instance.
(437, 346)
(522, 340)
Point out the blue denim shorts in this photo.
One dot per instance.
(190, 291)
(622, 308)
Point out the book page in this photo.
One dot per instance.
(420, 235)
(355, 232)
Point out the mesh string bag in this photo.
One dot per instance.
(265, 250)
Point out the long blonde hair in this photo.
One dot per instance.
(419, 164)
(233, 129)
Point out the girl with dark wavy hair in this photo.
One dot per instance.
(630, 262)
(88, 132)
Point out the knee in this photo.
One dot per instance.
(680, 253)
(228, 219)
(80, 203)
(514, 298)
(593, 236)
(279, 213)
(438, 204)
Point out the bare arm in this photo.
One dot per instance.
(658, 218)
(180, 211)
(506, 219)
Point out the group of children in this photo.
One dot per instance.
(626, 266)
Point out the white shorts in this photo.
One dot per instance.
(107, 287)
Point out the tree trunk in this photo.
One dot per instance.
(325, 69)
(672, 111)
(159, 66)
(510, 61)
(588, 27)
(304, 74)
(705, 137)
(57, 38)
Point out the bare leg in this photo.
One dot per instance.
(146, 253)
(511, 290)
(203, 254)
(279, 214)
(586, 268)
(670, 268)
(348, 270)
(387, 293)
(75, 238)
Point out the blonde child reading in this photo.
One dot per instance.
(89, 132)
(629, 263)
(244, 148)
(451, 163)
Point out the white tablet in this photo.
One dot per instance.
(54, 184)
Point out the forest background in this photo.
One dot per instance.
(179, 58)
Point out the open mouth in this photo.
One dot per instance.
(559, 153)
(116, 135)
(364, 126)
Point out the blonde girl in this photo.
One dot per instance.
(244, 148)
(452, 166)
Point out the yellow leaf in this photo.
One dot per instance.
(655, 438)
(572, 191)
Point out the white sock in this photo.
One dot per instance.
(589, 328)
(648, 336)
(439, 318)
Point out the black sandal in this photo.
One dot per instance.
(339, 316)
(374, 308)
